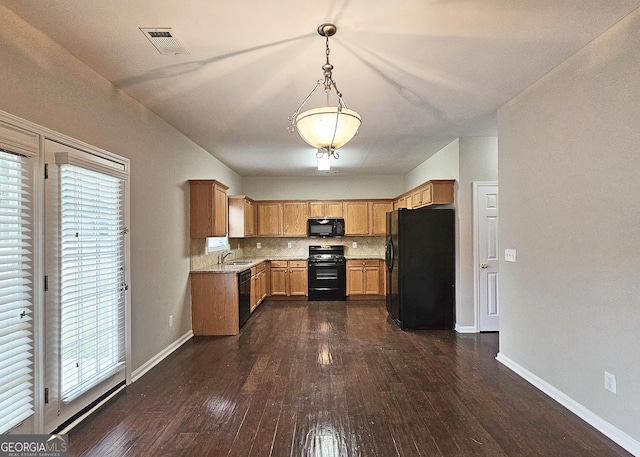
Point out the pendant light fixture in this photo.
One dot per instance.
(329, 127)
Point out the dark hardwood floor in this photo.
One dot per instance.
(334, 379)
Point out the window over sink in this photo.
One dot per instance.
(217, 244)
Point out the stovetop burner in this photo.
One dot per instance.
(326, 251)
(319, 253)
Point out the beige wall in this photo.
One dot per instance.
(44, 84)
(322, 187)
(478, 162)
(570, 206)
(442, 165)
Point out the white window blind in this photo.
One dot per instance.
(16, 302)
(92, 281)
(219, 243)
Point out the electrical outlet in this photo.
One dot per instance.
(259, 245)
(354, 245)
(510, 255)
(610, 382)
(289, 245)
(170, 320)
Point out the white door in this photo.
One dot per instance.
(86, 269)
(485, 198)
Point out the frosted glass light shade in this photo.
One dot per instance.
(316, 126)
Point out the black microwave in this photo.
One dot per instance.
(325, 227)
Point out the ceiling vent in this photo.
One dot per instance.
(164, 40)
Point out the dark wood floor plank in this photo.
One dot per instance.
(335, 379)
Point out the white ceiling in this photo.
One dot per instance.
(420, 72)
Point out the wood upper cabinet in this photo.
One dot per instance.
(434, 192)
(356, 217)
(364, 277)
(281, 218)
(442, 191)
(295, 215)
(289, 278)
(400, 202)
(366, 217)
(269, 218)
(325, 209)
(362, 217)
(421, 196)
(207, 208)
(378, 211)
(242, 217)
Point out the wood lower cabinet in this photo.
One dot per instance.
(258, 284)
(207, 208)
(364, 277)
(298, 278)
(289, 278)
(214, 304)
(279, 278)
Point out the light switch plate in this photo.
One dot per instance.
(510, 255)
(259, 245)
(354, 244)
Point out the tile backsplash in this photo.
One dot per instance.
(368, 247)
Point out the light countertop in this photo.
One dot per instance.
(239, 265)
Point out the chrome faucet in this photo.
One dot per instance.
(224, 256)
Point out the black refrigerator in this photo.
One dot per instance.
(420, 261)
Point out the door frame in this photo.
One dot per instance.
(476, 250)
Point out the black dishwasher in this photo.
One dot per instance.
(244, 296)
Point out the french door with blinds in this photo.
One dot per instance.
(17, 367)
(86, 296)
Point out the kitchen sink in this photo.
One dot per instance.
(240, 262)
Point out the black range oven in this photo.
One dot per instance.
(327, 273)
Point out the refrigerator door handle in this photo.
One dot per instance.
(389, 255)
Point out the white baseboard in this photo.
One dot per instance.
(160, 356)
(466, 329)
(615, 434)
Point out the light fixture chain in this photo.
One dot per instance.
(328, 51)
